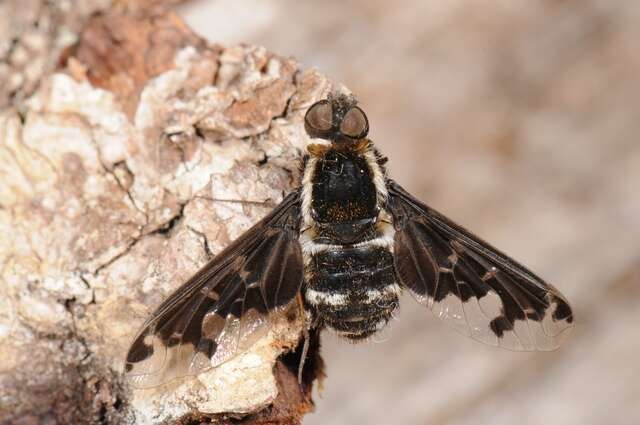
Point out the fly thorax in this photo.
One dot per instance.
(344, 202)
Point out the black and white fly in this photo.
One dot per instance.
(341, 248)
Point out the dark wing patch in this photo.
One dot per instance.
(226, 306)
(471, 285)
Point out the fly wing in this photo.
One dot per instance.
(226, 306)
(471, 285)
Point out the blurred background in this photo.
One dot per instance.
(520, 120)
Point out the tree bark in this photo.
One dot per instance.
(122, 171)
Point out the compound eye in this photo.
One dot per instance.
(319, 118)
(355, 124)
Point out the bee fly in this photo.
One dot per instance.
(342, 247)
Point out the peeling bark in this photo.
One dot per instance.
(122, 172)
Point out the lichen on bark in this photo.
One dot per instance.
(121, 175)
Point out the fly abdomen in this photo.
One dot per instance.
(352, 289)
